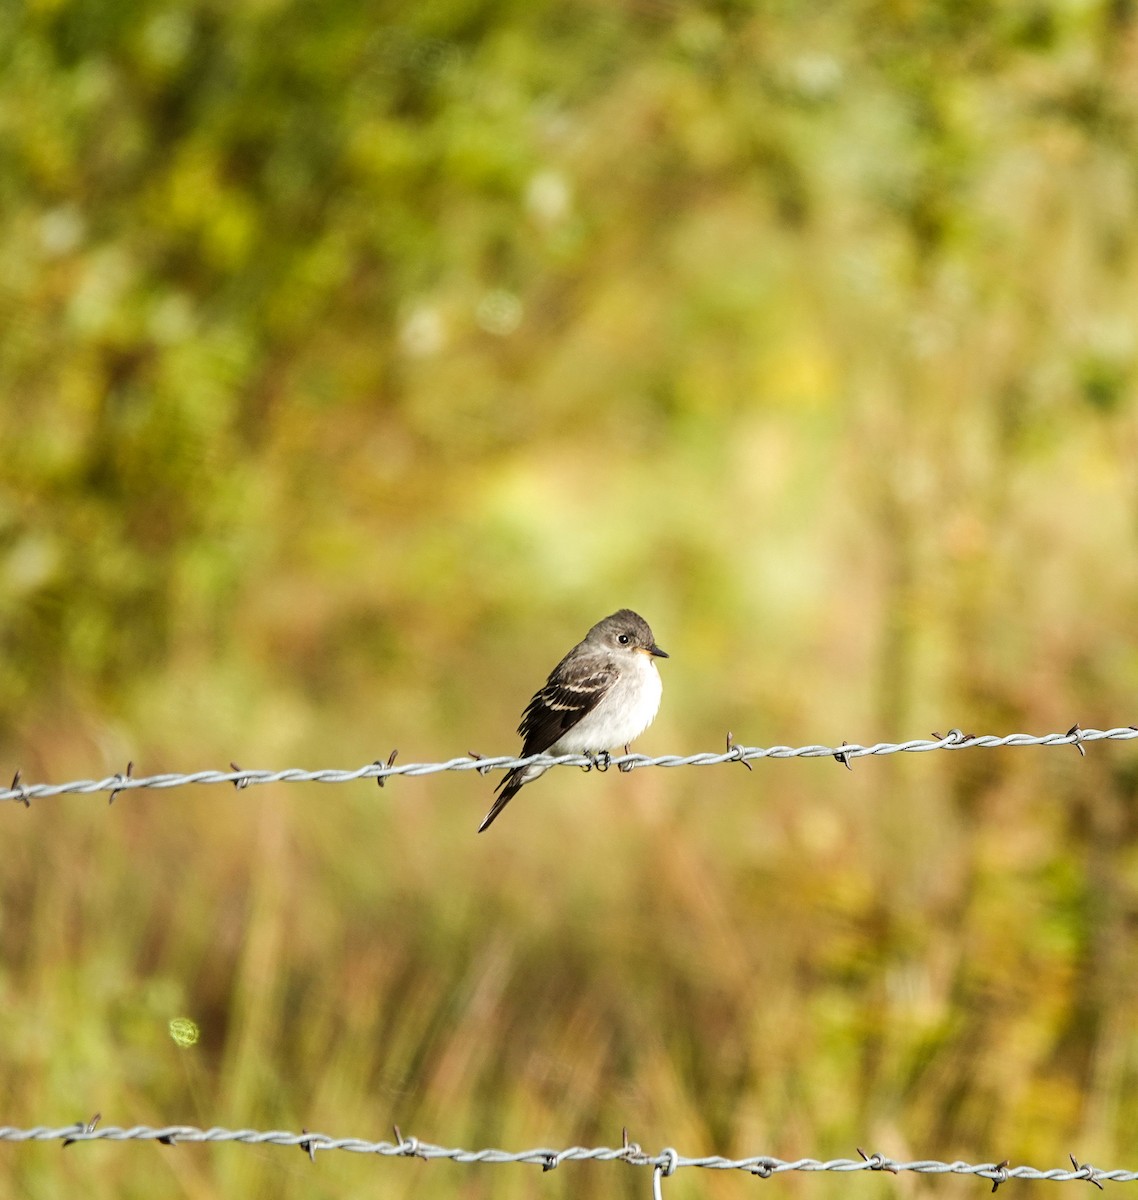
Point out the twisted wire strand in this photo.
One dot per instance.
(665, 1163)
(382, 771)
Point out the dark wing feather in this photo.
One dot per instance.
(568, 695)
(575, 686)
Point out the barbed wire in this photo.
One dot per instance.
(663, 1164)
(381, 770)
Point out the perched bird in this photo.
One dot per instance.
(603, 693)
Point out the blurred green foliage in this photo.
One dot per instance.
(354, 360)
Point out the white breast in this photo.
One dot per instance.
(622, 715)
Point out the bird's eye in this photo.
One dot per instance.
(623, 639)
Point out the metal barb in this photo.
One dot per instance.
(23, 798)
(954, 737)
(238, 783)
(1077, 734)
(626, 766)
(1092, 1174)
(844, 759)
(307, 1146)
(552, 1162)
(122, 779)
(1001, 1174)
(407, 1146)
(476, 756)
(737, 750)
(631, 1152)
(877, 1162)
(90, 1127)
(168, 1139)
(382, 779)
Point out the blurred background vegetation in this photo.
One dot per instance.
(355, 358)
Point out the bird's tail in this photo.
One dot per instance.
(509, 787)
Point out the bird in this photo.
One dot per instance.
(604, 693)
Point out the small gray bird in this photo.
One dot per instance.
(602, 694)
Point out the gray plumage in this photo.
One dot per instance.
(604, 693)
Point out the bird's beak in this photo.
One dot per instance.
(656, 652)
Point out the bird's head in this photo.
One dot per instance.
(625, 631)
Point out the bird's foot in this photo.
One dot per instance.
(598, 762)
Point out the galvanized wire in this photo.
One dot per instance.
(663, 1164)
(382, 770)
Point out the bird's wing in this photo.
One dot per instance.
(568, 695)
